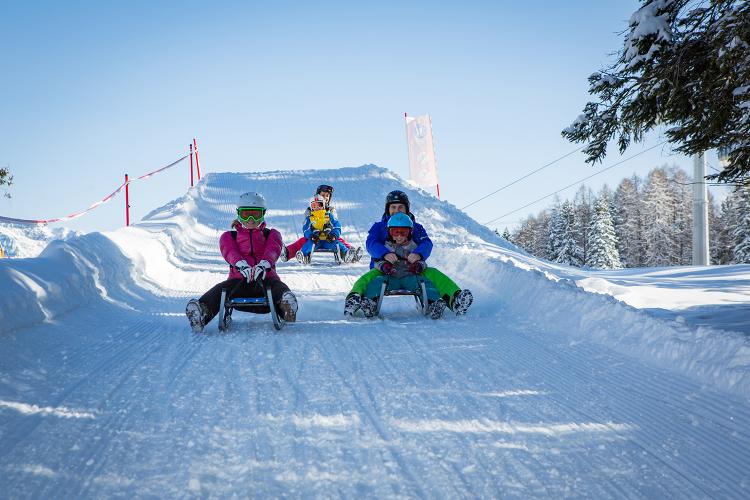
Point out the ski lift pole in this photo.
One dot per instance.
(127, 201)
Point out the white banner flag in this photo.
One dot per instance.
(422, 163)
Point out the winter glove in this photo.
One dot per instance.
(417, 267)
(332, 237)
(387, 268)
(315, 236)
(391, 257)
(258, 271)
(244, 269)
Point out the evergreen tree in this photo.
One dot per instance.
(681, 199)
(567, 250)
(555, 231)
(506, 235)
(741, 232)
(5, 179)
(683, 64)
(724, 246)
(714, 231)
(628, 222)
(603, 252)
(583, 204)
(659, 244)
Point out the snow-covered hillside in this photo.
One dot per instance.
(544, 389)
(24, 241)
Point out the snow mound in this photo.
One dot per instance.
(172, 254)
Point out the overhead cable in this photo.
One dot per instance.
(574, 183)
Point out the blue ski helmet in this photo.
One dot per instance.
(400, 220)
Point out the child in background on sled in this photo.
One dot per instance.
(400, 271)
(251, 251)
(352, 254)
(322, 231)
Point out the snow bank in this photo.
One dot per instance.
(560, 307)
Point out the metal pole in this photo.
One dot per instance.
(700, 212)
(127, 201)
(191, 165)
(197, 162)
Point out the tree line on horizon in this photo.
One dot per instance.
(643, 223)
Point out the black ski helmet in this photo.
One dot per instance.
(397, 197)
(326, 188)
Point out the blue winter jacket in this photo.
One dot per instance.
(307, 228)
(379, 233)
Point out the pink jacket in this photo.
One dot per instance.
(251, 246)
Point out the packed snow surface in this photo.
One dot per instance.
(549, 387)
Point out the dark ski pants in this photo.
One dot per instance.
(212, 298)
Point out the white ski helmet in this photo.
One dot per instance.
(317, 199)
(254, 200)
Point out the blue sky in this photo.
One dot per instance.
(93, 90)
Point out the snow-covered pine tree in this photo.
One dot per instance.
(583, 204)
(541, 235)
(506, 235)
(603, 252)
(658, 228)
(714, 230)
(722, 249)
(681, 198)
(567, 250)
(628, 222)
(554, 233)
(741, 232)
(684, 65)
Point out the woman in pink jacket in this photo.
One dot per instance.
(251, 250)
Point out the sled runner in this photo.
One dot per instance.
(419, 294)
(259, 305)
(307, 259)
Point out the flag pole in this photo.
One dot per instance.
(197, 162)
(127, 201)
(434, 155)
(191, 165)
(408, 152)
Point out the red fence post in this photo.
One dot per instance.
(127, 201)
(197, 162)
(191, 165)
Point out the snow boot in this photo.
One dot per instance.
(288, 307)
(284, 255)
(302, 258)
(368, 306)
(462, 299)
(354, 254)
(196, 313)
(435, 309)
(352, 304)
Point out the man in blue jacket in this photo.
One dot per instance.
(395, 202)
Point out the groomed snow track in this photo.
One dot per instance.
(543, 390)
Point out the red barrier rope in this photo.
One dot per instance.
(94, 205)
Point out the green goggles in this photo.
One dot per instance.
(244, 214)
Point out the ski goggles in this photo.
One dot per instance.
(317, 205)
(403, 232)
(244, 214)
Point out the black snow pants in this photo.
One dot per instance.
(212, 298)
